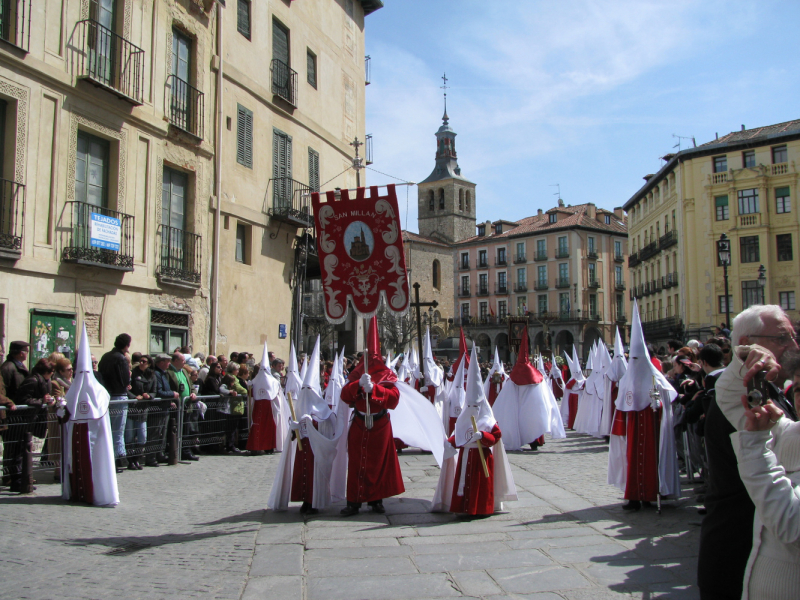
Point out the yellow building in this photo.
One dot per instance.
(744, 185)
(157, 157)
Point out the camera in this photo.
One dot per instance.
(758, 390)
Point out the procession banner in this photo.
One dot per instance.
(361, 252)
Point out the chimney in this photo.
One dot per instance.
(742, 127)
(591, 211)
(618, 212)
(560, 203)
(539, 212)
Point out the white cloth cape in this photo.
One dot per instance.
(416, 422)
(526, 412)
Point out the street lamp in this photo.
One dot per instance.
(762, 281)
(724, 254)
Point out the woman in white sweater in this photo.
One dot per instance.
(768, 452)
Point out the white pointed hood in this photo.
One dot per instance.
(575, 366)
(293, 380)
(304, 369)
(265, 386)
(335, 383)
(86, 399)
(590, 359)
(555, 371)
(475, 404)
(497, 367)
(456, 394)
(311, 401)
(434, 374)
(618, 364)
(635, 385)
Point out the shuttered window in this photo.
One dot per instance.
(282, 168)
(311, 60)
(313, 170)
(244, 137)
(280, 43)
(243, 18)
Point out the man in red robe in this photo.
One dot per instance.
(373, 471)
(266, 394)
(573, 387)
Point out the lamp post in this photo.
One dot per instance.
(724, 253)
(762, 282)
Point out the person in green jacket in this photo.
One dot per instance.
(178, 382)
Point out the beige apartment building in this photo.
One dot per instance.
(157, 158)
(743, 185)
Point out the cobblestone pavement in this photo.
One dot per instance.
(201, 529)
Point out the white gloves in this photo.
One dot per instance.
(476, 436)
(294, 425)
(366, 383)
(423, 389)
(60, 411)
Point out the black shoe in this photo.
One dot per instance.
(632, 505)
(269, 451)
(534, 445)
(131, 465)
(304, 507)
(139, 466)
(162, 458)
(152, 463)
(189, 456)
(377, 507)
(350, 510)
(702, 510)
(312, 511)
(234, 450)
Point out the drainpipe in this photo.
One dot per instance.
(212, 339)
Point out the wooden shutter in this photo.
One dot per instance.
(282, 166)
(244, 137)
(311, 66)
(243, 18)
(313, 170)
(280, 43)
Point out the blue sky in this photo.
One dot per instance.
(582, 93)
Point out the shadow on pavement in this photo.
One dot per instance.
(130, 544)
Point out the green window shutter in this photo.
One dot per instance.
(781, 192)
(244, 137)
(313, 170)
(243, 18)
(280, 43)
(721, 200)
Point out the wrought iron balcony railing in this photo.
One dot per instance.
(15, 23)
(619, 258)
(562, 253)
(291, 202)
(649, 250)
(500, 261)
(180, 256)
(520, 287)
(592, 254)
(519, 259)
(621, 318)
(656, 285)
(464, 291)
(186, 106)
(595, 316)
(594, 283)
(96, 236)
(482, 290)
(501, 289)
(110, 61)
(463, 265)
(562, 282)
(619, 285)
(540, 285)
(668, 239)
(483, 263)
(284, 81)
(540, 256)
(12, 218)
(634, 259)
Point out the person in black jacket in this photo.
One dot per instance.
(143, 389)
(115, 370)
(13, 369)
(163, 392)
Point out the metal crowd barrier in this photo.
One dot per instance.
(45, 440)
(155, 413)
(213, 430)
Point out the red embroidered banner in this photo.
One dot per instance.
(360, 252)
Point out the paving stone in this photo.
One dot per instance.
(627, 573)
(278, 559)
(332, 567)
(476, 583)
(274, 588)
(459, 561)
(376, 587)
(524, 580)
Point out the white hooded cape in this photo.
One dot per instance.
(590, 401)
(618, 444)
(265, 388)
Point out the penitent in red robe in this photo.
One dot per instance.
(262, 431)
(494, 391)
(642, 432)
(478, 498)
(303, 473)
(572, 398)
(373, 471)
(80, 479)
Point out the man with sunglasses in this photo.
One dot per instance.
(761, 336)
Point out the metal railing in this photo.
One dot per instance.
(634, 259)
(186, 106)
(463, 265)
(284, 81)
(15, 23)
(619, 285)
(595, 316)
(621, 318)
(180, 255)
(669, 326)
(562, 253)
(594, 283)
(482, 290)
(540, 285)
(464, 291)
(656, 285)
(500, 261)
(501, 289)
(483, 264)
(592, 254)
(562, 282)
(520, 287)
(619, 258)
(291, 202)
(110, 61)
(649, 250)
(84, 243)
(12, 216)
(540, 256)
(519, 259)
(668, 239)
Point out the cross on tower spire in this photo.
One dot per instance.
(445, 118)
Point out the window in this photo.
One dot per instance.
(617, 249)
(779, 155)
(483, 307)
(501, 255)
(483, 283)
(465, 311)
(502, 308)
(592, 305)
(466, 201)
(723, 211)
(720, 164)
(181, 105)
(481, 228)
(91, 170)
(749, 249)
(244, 136)
(441, 198)
(498, 229)
(541, 247)
(590, 245)
(243, 18)
(465, 260)
(562, 245)
(618, 275)
(501, 280)
(542, 300)
(435, 275)
(173, 200)
(787, 300)
(563, 302)
(783, 203)
(522, 305)
(621, 306)
(465, 284)
(563, 272)
(592, 273)
(748, 201)
(784, 247)
(482, 262)
(542, 275)
(749, 159)
(521, 276)
(460, 200)
(751, 293)
(242, 249)
(311, 68)
(723, 306)
(520, 251)
(553, 217)
(168, 330)
(313, 170)
(669, 306)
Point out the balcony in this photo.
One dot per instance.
(595, 316)
(464, 264)
(464, 291)
(594, 283)
(650, 250)
(111, 62)
(180, 257)
(670, 327)
(284, 81)
(541, 285)
(520, 287)
(562, 282)
(668, 239)
(540, 256)
(15, 23)
(500, 261)
(719, 177)
(621, 318)
(645, 288)
(634, 259)
(501, 289)
(656, 285)
(619, 258)
(562, 253)
(482, 290)
(592, 254)
(751, 220)
(186, 106)
(619, 285)
(96, 236)
(780, 169)
(482, 263)
(520, 258)
(670, 280)
(291, 202)
(12, 218)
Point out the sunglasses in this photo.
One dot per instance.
(782, 340)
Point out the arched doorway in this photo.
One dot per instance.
(484, 343)
(590, 336)
(564, 342)
(501, 343)
(538, 343)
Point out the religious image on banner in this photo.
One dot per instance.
(361, 252)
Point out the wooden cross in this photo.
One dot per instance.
(418, 306)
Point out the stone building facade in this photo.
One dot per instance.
(743, 185)
(140, 195)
